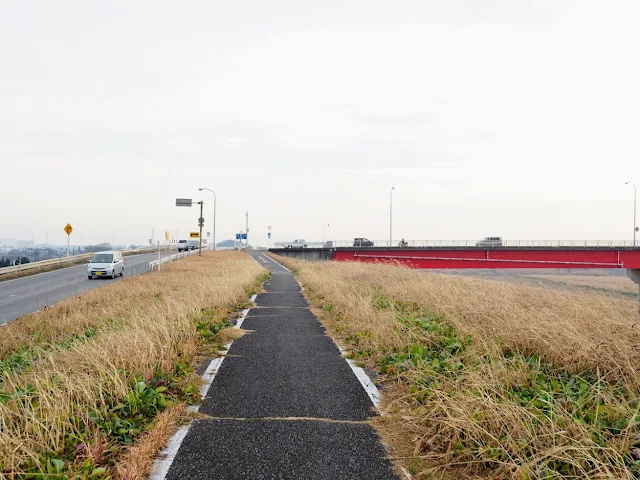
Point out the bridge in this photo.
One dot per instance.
(469, 257)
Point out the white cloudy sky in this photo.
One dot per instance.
(503, 117)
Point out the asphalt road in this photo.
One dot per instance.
(284, 404)
(29, 294)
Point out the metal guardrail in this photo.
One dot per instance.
(63, 260)
(155, 264)
(505, 243)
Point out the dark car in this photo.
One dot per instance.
(362, 242)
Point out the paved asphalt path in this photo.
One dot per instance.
(284, 403)
(30, 294)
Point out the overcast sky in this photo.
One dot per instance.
(504, 117)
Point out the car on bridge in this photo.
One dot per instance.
(297, 243)
(490, 242)
(362, 242)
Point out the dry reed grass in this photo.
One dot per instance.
(145, 324)
(484, 379)
(137, 462)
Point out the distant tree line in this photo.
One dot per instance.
(7, 262)
(100, 247)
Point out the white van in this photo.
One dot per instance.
(297, 243)
(105, 264)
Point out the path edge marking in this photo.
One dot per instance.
(166, 457)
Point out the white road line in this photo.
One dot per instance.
(167, 456)
(269, 258)
(365, 381)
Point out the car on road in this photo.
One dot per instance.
(490, 242)
(297, 243)
(193, 244)
(182, 245)
(105, 264)
(362, 242)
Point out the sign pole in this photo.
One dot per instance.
(68, 237)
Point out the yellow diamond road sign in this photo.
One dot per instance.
(68, 229)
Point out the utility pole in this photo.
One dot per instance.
(247, 230)
(391, 217)
(635, 224)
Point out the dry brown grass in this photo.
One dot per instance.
(137, 462)
(144, 324)
(474, 420)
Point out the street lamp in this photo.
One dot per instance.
(391, 216)
(214, 214)
(324, 225)
(635, 225)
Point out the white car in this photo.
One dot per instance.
(182, 245)
(490, 242)
(105, 264)
(297, 243)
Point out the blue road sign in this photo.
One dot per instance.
(237, 236)
(269, 234)
(244, 236)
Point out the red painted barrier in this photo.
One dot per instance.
(497, 258)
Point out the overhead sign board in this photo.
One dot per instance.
(68, 229)
(183, 202)
(194, 235)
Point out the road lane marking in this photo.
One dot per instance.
(279, 264)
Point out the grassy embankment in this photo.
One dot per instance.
(490, 380)
(94, 386)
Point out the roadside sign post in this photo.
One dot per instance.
(201, 224)
(187, 202)
(68, 229)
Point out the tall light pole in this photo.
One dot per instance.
(247, 241)
(324, 225)
(391, 216)
(635, 225)
(214, 214)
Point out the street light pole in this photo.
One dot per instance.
(323, 225)
(635, 205)
(391, 216)
(247, 230)
(214, 214)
